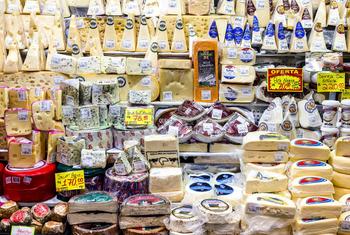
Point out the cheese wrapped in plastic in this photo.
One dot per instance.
(265, 182)
(116, 65)
(39, 143)
(3, 100)
(88, 117)
(93, 158)
(22, 152)
(43, 115)
(70, 92)
(52, 145)
(18, 98)
(69, 150)
(105, 92)
(63, 64)
(18, 122)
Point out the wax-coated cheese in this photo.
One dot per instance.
(264, 182)
(310, 167)
(176, 85)
(270, 205)
(18, 122)
(307, 186)
(341, 180)
(344, 224)
(43, 113)
(237, 74)
(339, 192)
(279, 168)
(265, 141)
(264, 156)
(236, 93)
(316, 226)
(311, 207)
(340, 164)
(308, 149)
(342, 146)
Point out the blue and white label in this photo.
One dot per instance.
(229, 35)
(256, 27)
(229, 72)
(225, 178)
(200, 187)
(270, 30)
(238, 35)
(205, 178)
(299, 31)
(247, 33)
(223, 190)
(213, 30)
(281, 35)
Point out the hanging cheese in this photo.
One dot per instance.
(192, 36)
(162, 35)
(179, 40)
(321, 14)
(13, 62)
(316, 40)
(282, 43)
(58, 31)
(339, 41)
(96, 7)
(113, 8)
(226, 7)
(31, 6)
(110, 35)
(151, 8)
(13, 6)
(51, 51)
(143, 39)
(256, 32)
(333, 14)
(128, 42)
(34, 55)
(269, 42)
(73, 34)
(131, 7)
(298, 42)
(279, 15)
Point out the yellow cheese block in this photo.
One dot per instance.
(264, 156)
(36, 94)
(307, 186)
(18, 122)
(310, 167)
(342, 146)
(311, 207)
(341, 180)
(18, 98)
(39, 142)
(233, 93)
(339, 192)
(3, 142)
(308, 149)
(176, 85)
(316, 226)
(144, 83)
(22, 152)
(174, 64)
(3, 100)
(55, 95)
(265, 141)
(43, 113)
(52, 145)
(279, 168)
(340, 164)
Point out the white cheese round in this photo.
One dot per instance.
(183, 220)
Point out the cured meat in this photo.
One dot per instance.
(208, 131)
(219, 112)
(53, 228)
(177, 126)
(95, 229)
(145, 204)
(7, 209)
(21, 217)
(237, 127)
(59, 212)
(93, 201)
(41, 212)
(189, 111)
(5, 225)
(163, 115)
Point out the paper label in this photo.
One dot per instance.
(110, 44)
(167, 96)
(127, 44)
(206, 95)
(330, 82)
(139, 116)
(22, 115)
(67, 111)
(45, 106)
(26, 149)
(173, 130)
(22, 95)
(208, 127)
(242, 128)
(143, 44)
(85, 113)
(22, 230)
(80, 23)
(71, 180)
(179, 46)
(216, 114)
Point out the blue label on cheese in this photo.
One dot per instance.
(281, 35)
(256, 27)
(223, 189)
(200, 187)
(318, 200)
(225, 178)
(247, 33)
(229, 33)
(238, 35)
(200, 177)
(310, 163)
(213, 31)
(270, 30)
(299, 31)
(311, 180)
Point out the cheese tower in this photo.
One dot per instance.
(14, 6)
(316, 39)
(299, 41)
(321, 14)
(96, 7)
(162, 35)
(110, 35)
(58, 31)
(73, 34)
(339, 41)
(31, 6)
(128, 42)
(113, 8)
(144, 37)
(179, 40)
(93, 34)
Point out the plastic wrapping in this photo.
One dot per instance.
(70, 92)
(94, 139)
(105, 92)
(237, 127)
(120, 136)
(208, 131)
(69, 150)
(63, 64)
(177, 127)
(190, 111)
(89, 64)
(198, 191)
(93, 158)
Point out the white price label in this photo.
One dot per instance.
(22, 95)
(127, 44)
(22, 115)
(115, 110)
(26, 149)
(232, 53)
(146, 81)
(110, 44)
(162, 45)
(145, 64)
(208, 127)
(244, 70)
(67, 111)
(173, 130)
(31, 5)
(37, 91)
(206, 95)
(85, 113)
(172, 4)
(179, 46)
(130, 6)
(97, 89)
(167, 96)
(143, 44)
(216, 114)
(278, 156)
(247, 91)
(45, 106)
(69, 100)
(80, 23)
(242, 128)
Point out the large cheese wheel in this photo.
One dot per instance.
(344, 224)
(95, 229)
(345, 201)
(340, 164)
(341, 180)
(308, 149)
(339, 192)
(216, 211)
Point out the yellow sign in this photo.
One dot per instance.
(330, 82)
(71, 180)
(285, 80)
(139, 116)
(22, 230)
(346, 94)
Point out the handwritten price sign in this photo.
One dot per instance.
(285, 80)
(22, 230)
(346, 94)
(330, 82)
(71, 180)
(139, 116)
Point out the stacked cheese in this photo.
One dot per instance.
(344, 225)
(264, 157)
(309, 174)
(340, 160)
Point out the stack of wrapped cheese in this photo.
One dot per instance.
(144, 212)
(309, 174)
(340, 160)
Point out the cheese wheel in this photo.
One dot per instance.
(278, 168)
(342, 146)
(345, 201)
(339, 192)
(307, 186)
(215, 210)
(344, 223)
(183, 220)
(311, 207)
(311, 167)
(340, 164)
(341, 180)
(230, 194)
(308, 149)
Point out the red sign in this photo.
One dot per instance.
(285, 80)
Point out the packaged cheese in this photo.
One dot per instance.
(88, 117)
(160, 178)
(316, 226)
(278, 168)
(116, 65)
(237, 74)
(299, 41)
(22, 152)
(308, 149)
(236, 93)
(309, 117)
(311, 167)
(70, 92)
(269, 41)
(69, 150)
(18, 122)
(311, 207)
(264, 156)
(131, 7)
(265, 141)
(128, 42)
(73, 37)
(63, 64)
(105, 92)
(92, 159)
(264, 182)
(317, 42)
(52, 145)
(18, 98)
(43, 113)
(3, 142)
(339, 163)
(307, 186)
(93, 37)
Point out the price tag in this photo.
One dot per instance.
(242, 128)
(85, 113)
(285, 80)
(22, 115)
(173, 130)
(139, 116)
(208, 127)
(22, 95)
(26, 149)
(330, 82)
(22, 230)
(346, 94)
(216, 114)
(45, 106)
(71, 180)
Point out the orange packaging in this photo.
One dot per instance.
(206, 70)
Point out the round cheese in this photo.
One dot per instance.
(94, 229)
(215, 210)
(340, 164)
(279, 168)
(341, 180)
(310, 167)
(183, 220)
(344, 224)
(345, 201)
(308, 149)
(225, 178)
(339, 192)
(198, 191)
(230, 194)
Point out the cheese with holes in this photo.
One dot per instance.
(316, 226)
(43, 113)
(265, 141)
(143, 83)
(144, 37)
(18, 122)
(268, 204)
(128, 42)
(3, 100)
(176, 84)
(179, 40)
(36, 94)
(311, 207)
(279, 168)
(264, 182)
(342, 146)
(307, 186)
(52, 139)
(308, 149)
(18, 98)
(339, 163)
(160, 178)
(138, 66)
(311, 167)
(22, 152)
(264, 156)
(110, 36)
(341, 180)
(344, 223)
(93, 36)
(35, 54)
(56, 96)
(236, 93)
(237, 74)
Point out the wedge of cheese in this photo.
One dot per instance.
(131, 7)
(110, 36)
(144, 83)
(269, 41)
(265, 141)
(339, 163)
(179, 40)
(13, 62)
(280, 14)
(311, 167)
(307, 16)
(333, 14)
(14, 6)
(162, 35)
(311, 207)
(316, 39)
(18, 122)
(128, 42)
(339, 41)
(58, 31)
(264, 182)
(236, 93)
(18, 98)
(226, 7)
(299, 41)
(264, 156)
(93, 35)
(342, 146)
(31, 6)
(270, 205)
(89, 64)
(151, 8)
(51, 51)
(307, 186)
(96, 7)
(281, 40)
(279, 168)
(36, 94)
(33, 61)
(237, 74)
(308, 149)
(113, 8)
(144, 37)
(43, 113)
(316, 226)
(256, 32)
(73, 34)
(262, 11)
(321, 14)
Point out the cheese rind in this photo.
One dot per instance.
(344, 223)
(345, 202)
(341, 180)
(342, 146)
(307, 186)
(339, 192)
(309, 149)
(310, 167)
(311, 207)
(264, 156)
(340, 164)
(265, 141)
(263, 182)
(237, 74)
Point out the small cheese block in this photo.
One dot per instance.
(316, 226)
(18, 122)
(144, 83)
(145, 205)
(176, 84)
(311, 167)
(93, 159)
(160, 178)
(339, 192)
(265, 156)
(311, 207)
(175, 64)
(89, 64)
(345, 202)
(308, 149)
(128, 42)
(265, 182)
(237, 74)
(63, 64)
(88, 117)
(139, 97)
(307, 186)
(342, 146)
(138, 66)
(340, 164)
(4, 100)
(22, 152)
(341, 180)
(270, 205)
(215, 210)
(93, 201)
(173, 197)
(236, 93)
(344, 223)
(43, 113)
(18, 98)
(144, 38)
(279, 168)
(110, 36)
(265, 141)
(52, 145)
(116, 65)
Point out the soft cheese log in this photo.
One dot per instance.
(341, 180)
(342, 146)
(307, 186)
(270, 205)
(279, 168)
(308, 149)
(340, 164)
(312, 207)
(263, 182)
(264, 156)
(344, 224)
(265, 141)
(311, 167)
(316, 226)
